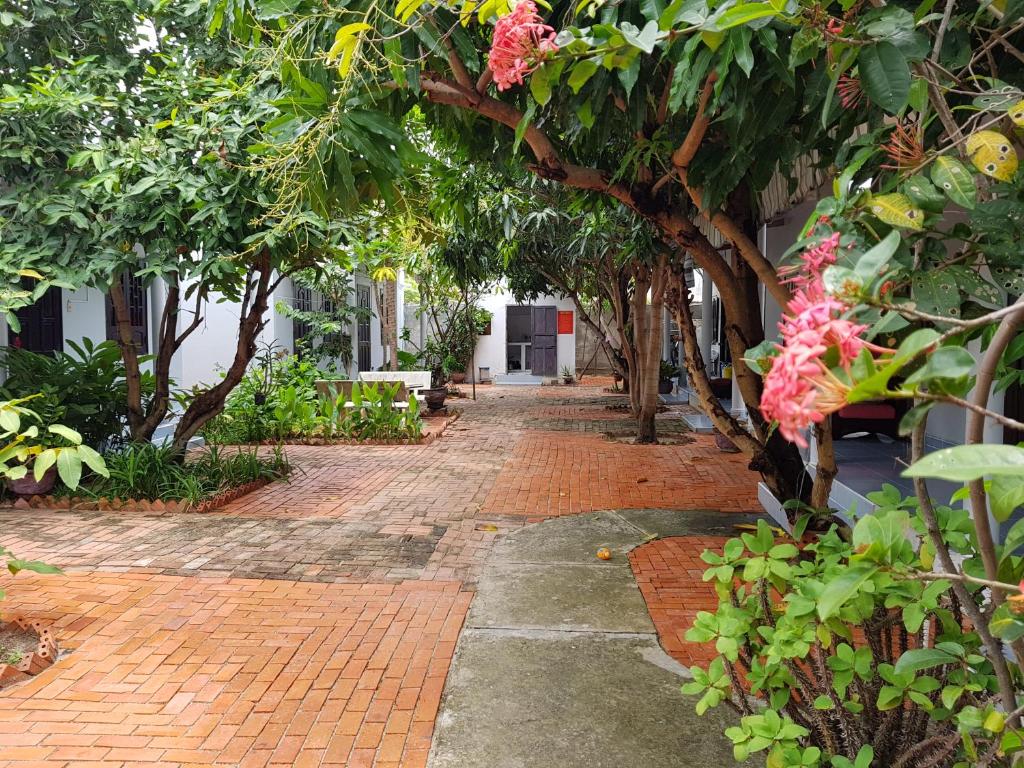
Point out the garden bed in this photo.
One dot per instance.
(433, 428)
(135, 505)
(26, 649)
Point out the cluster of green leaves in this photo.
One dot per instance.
(367, 413)
(157, 472)
(859, 660)
(83, 389)
(25, 449)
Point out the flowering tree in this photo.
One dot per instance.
(660, 108)
(897, 642)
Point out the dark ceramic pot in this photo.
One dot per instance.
(28, 486)
(665, 387)
(435, 398)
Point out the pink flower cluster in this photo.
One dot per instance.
(520, 44)
(800, 389)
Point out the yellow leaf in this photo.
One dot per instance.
(992, 154)
(466, 13)
(1016, 114)
(897, 210)
(712, 39)
(30, 273)
(406, 8)
(345, 41)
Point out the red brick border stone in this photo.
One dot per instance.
(33, 663)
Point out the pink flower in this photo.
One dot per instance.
(800, 390)
(520, 44)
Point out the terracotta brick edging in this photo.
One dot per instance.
(33, 663)
(105, 504)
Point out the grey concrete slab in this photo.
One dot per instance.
(601, 597)
(694, 522)
(569, 540)
(569, 700)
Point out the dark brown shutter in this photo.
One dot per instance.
(42, 323)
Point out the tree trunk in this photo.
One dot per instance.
(209, 403)
(647, 331)
(143, 419)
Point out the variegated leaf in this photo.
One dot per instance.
(897, 210)
(992, 154)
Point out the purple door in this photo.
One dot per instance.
(545, 338)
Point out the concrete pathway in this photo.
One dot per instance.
(559, 663)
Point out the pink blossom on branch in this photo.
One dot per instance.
(521, 43)
(800, 389)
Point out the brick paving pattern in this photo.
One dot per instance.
(313, 622)
(669, 573)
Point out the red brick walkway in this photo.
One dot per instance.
(313, 623)
(669, 572)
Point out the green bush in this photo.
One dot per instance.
(849, 652)
(85, 391)
(372, 415)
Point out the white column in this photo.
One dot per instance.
(707, 319)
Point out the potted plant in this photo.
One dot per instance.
(568, 377)
(54, 452)
(458, 371)
(666, 373)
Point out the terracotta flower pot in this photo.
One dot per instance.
(29, 486)
(459, 377)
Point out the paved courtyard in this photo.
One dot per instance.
(314, 622)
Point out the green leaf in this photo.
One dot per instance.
(840, 589)
(69, 468)
(943, 363)
(744, 13)
(872, 264)
(540, 84)
(936, 293)
(885, 75)
(581, 73)
(1006, 493)
(963, 463)
(953, 178)
(66, 432)
(917, 659)
(524, 123)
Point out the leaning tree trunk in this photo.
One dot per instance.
(144, 418)
(210, 402)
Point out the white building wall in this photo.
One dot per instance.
(491, 349)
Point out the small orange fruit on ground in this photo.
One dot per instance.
(604, 554)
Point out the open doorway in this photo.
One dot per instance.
(519, 339)
(530, 340)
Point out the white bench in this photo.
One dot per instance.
(415, 381)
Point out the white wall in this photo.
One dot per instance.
(490, 350)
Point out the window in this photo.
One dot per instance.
(136, 298)
(42, 323)
(363, 328)
(303, 303)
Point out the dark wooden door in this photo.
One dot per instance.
(544, 342)
(42, 323)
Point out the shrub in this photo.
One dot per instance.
(29, 449)
(85, 391)
(147, 471)
(861, 654)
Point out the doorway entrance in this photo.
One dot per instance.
(531, 340)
